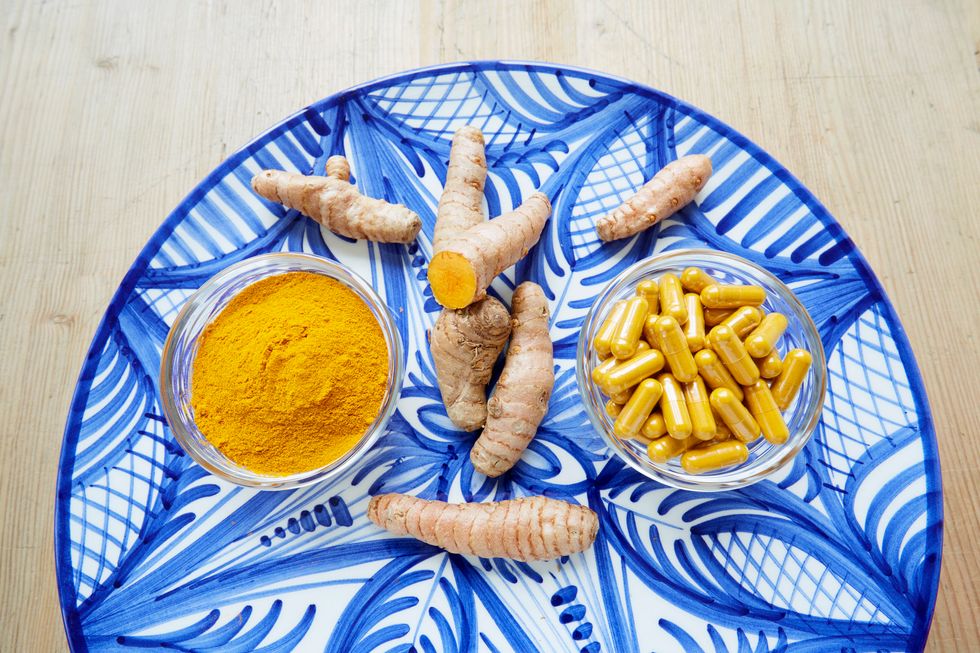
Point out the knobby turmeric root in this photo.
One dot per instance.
(469, 260)
(532, 528)
(337, 205)
(461, 204)
(465, 344)
(520, 400)
(669, 191)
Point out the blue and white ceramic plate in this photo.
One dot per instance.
(839, 552)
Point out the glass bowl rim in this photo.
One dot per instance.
(740, 476)
(206, 297)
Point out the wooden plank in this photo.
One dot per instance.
(110, 112)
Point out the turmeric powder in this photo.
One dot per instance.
(290, 375)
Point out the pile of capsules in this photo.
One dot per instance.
(663, 326)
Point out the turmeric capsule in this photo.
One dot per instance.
(699, 408)
(602, 342)
(743, 320)
(649, 330)
(651, 290)
(673, 344)
(714, 316)
(637, 409)
(674, 408)
(664, 448)
(765, 336)
(735, 415)
(795, 366)
(613, 409)
(732, 353)
(770, 366)
(628, 331)
(672, 298)
(621, 397)
(765, 411)
(600, 371)
(719, 295)
(694, 327)
(695, 279)
(654, 427)
(716, 456)
(714, 373)
(629, 373)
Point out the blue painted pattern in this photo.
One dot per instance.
(839, 552)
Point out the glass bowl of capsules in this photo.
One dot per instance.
(702, 370)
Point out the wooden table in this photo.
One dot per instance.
(111, 111)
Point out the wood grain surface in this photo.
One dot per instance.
(110, 112)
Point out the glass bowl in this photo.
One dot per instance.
(802, 415)
(181, 347)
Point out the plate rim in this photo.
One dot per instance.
(62, 536)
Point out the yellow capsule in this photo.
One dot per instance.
(713, 316)
(654, 427)
(649, 329)
(663, 449)
(673, 344)
(732, 353)
(743, 320)
(719, 295)
(651, 290)
(641, 347)
(637, 409)
(716, 456)
(761, 341)
(628, 373)
(770, 366)
(629, 329)
(765, 411)
(621, 397)
(674, 408)
(714, 372)
(699, 408)
(695, 280)
(613, 409)
(602, 342)
(600, 371)
(672, 298)
(694, 327)
(735, 415)
(795, 366)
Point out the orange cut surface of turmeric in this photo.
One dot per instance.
(290, 374)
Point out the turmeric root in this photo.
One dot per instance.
(532, 528)
(460, 206)
(337, 205)
(465, 344)
(469, 260)
(520, 400)
(338, 167)
(669, 191)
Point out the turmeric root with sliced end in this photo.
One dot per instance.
(469, 260)
(338, 206)
(520, 400)
(531, 528)
(461, 204)
(465, 344)
(669, 191)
